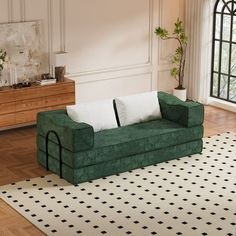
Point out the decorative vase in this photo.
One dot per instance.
(181, 94)
(60, 73)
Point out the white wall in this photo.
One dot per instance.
(112, 50)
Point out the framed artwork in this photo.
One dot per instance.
(23, 44)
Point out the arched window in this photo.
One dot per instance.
(223, 81)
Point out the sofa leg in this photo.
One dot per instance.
(60, 150)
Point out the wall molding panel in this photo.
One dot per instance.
(50, 35)
(137, 61)
(146, 60)
(10, 10)
(109, 70)
(112, 75)
(22, 10)
(62, 26)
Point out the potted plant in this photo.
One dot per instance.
(179, 57)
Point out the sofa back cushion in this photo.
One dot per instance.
(100, 115)
(138, 108)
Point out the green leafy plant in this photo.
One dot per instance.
(179, 57)
(3, 59)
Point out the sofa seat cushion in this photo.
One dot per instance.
(126, 141)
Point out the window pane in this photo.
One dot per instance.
(216, 58)
(232, 93)
(228, 8)
(226, 27)
(215, 85)
(218, 24)
(225, 58)
(233, 60)
(234, 29)
(223, 86)
(220, 6)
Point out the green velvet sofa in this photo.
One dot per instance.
(86, 155)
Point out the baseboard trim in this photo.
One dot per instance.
(222, 104)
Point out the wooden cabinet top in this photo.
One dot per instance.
(9, 94)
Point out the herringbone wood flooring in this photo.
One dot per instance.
(18, 162)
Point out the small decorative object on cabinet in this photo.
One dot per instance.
(46, 79)
(20, 106)
(60, 73)
(60, 65)
(179, 57)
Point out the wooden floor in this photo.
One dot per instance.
(18, 162)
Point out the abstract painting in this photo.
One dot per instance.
(22, 42)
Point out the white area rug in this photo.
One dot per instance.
(190, 196)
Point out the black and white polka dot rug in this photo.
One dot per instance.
(191, 196)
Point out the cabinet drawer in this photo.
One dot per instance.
(6, 108)
(41, 102)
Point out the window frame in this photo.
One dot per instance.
(232, 14)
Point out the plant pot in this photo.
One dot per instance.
(180, 93)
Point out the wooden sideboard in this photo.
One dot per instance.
(20, 106)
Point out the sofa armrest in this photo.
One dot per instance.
(73, 136)
(188, 114)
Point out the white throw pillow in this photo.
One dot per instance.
(99, 114)
(138, 108)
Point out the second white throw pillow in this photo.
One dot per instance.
(138, 108)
